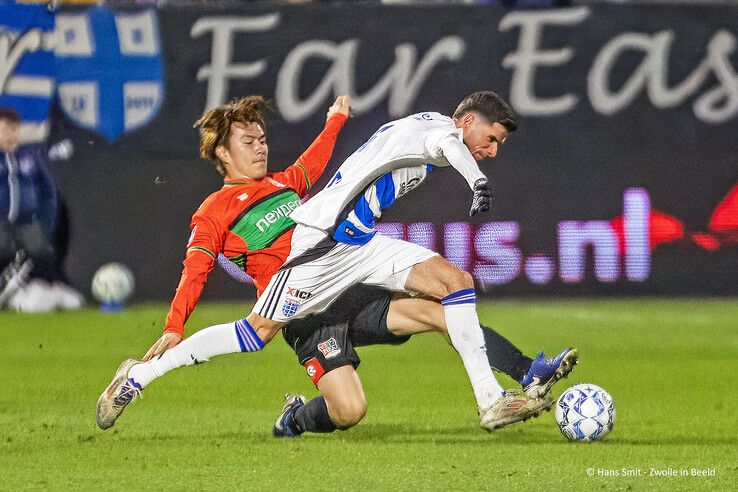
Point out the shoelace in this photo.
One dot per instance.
(128, 393)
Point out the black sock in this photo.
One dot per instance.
(504, 356)
(313, 417)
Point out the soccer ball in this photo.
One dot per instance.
(585, 412)
(112, 284)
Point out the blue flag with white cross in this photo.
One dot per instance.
(109, 69)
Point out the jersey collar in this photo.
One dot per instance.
(239, 181)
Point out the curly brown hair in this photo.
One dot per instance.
(215, 125)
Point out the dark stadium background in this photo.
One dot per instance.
(131, 199)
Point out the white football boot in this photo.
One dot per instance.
(117, 396)
(512, 407)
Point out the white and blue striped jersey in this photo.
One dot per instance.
(392, 162)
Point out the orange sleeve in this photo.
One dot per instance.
(202, 249)
(310, 165)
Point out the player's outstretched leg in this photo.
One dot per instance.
(213, 341)
(119, 393)
(513, 407)
(209, 342)
(544, 373)
(285, 426)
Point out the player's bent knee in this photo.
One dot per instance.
(466, 280)
(457, 280)
(349, 413)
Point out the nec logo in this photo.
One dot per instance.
(299, 294)
(329, 348)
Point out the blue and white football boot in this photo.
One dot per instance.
(544, 373)
(119, 393)
(283, 426)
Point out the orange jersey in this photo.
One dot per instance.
(248, 221)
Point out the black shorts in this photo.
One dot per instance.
(326, 341)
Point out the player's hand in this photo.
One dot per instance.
(341, 105)
(167, 341)
(482, 200)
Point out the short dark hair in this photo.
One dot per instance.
(10, 114)
(491, 106)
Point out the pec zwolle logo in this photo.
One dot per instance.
(292, 301)
(109, 69)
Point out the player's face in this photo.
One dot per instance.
(482, 138)
(247, 151)
(9, 135)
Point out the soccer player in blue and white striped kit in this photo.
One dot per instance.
(335, 244)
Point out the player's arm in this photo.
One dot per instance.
(310, 165)
(461, 159)
(202, 251)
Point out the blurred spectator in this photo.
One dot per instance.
(31, 278)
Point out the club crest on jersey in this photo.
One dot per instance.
(290, 307)
(293, 299)
(329, 348)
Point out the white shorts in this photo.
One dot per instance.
(311, 286)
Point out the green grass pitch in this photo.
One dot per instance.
(670, 365)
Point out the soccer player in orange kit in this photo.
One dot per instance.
(247, 220)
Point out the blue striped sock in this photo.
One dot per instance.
(465, 296)
(460, 311)
(247, 337)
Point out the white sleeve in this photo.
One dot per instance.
(458, 155)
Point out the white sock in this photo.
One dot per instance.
(460, 311)
(209, 342)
